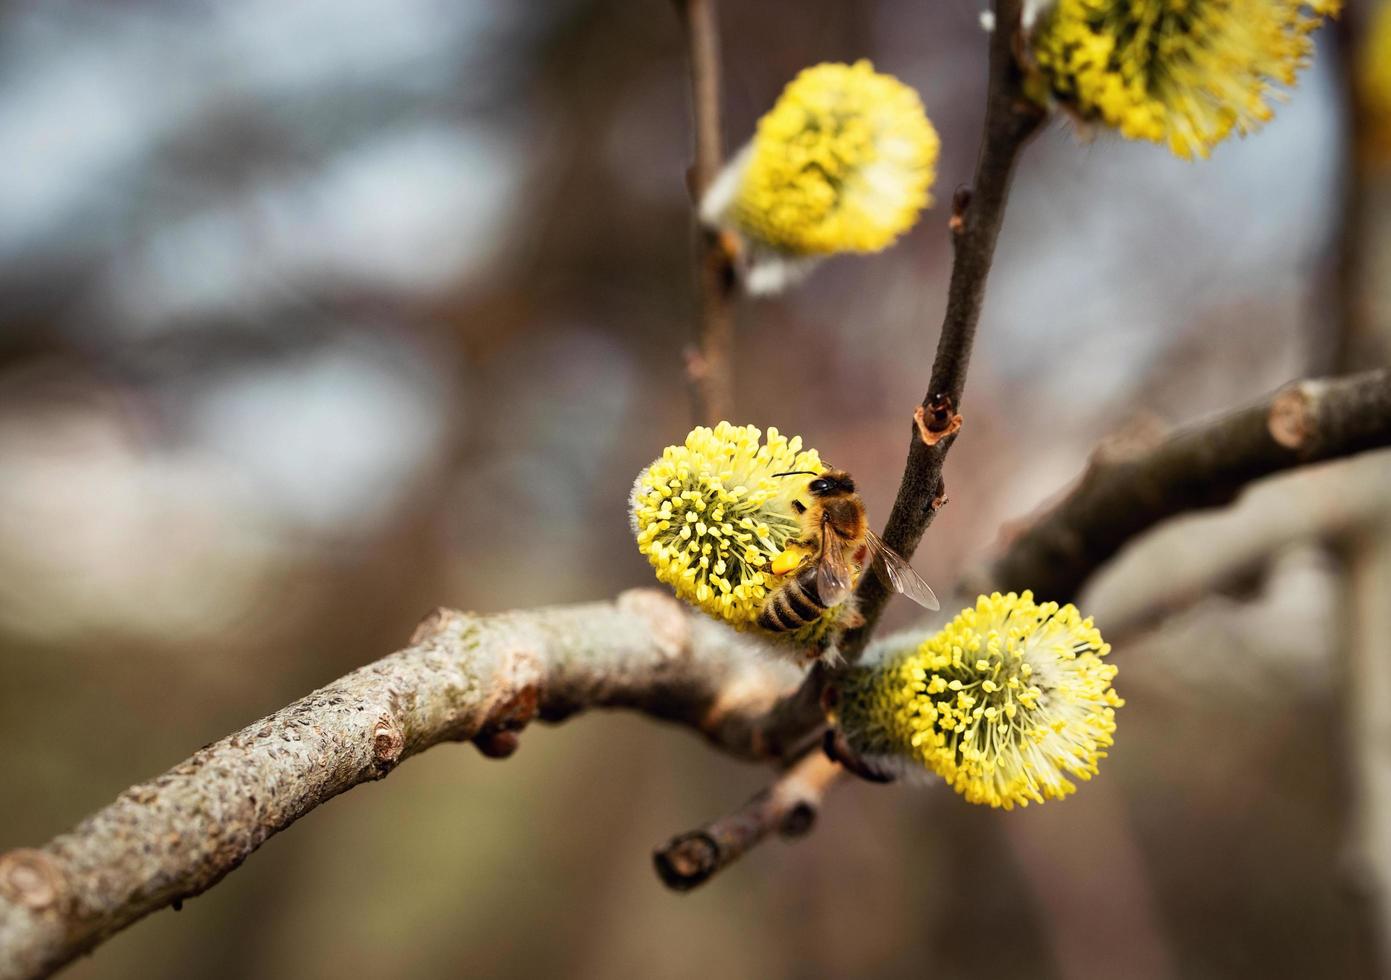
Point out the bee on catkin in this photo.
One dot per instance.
(835, 540)
(723, 521)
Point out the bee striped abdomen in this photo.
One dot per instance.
(793, 605)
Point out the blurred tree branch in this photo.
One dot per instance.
(463, 678)
(1205, 465)
(1357, 340)
(710, 365)
(1224, 551)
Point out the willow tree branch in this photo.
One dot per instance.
(1355, 340)
(977, 214)
(1350, 291)
(789, 807)
(1206, 465)
(710, 365)
(1010, 119)
(463, 678)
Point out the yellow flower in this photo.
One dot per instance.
(1374, 80)
(1183, 72)
(843, 162)
(710, 514)
(1002, 703)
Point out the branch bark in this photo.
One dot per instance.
(463, 678)
(710, 366)
(1206, 465)
(789, 807)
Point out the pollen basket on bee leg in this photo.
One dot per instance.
(786, 562)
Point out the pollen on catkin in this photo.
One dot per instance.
(844, 162)
(1185, 73)
(710, 515)
(1003, 703)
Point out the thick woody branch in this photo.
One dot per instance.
(463, 678)
(1206, 465)
(710, 365)
(787, 807)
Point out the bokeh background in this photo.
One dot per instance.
(316, 315)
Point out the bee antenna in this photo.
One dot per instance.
(796, 473)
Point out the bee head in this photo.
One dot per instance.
(832, 483)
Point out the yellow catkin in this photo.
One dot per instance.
(1185, 73)
(709, 515)
(844, 162)
(1004, 703)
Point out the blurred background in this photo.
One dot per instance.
(314, 316)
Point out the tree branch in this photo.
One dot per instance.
(788, 806)
(977, 214)
(463, 678)
(710, 366)
(1340, 291)
(1206, 465)
(1350, 291)
(1010, 119)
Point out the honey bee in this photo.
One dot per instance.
(835, 534)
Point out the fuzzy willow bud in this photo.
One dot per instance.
(844, 162)
(1003, 703)
(1186, 73)
(711, 514)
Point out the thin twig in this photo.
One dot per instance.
(977, 214)
(710, 366)
(1205, 465)
(1010, 119)
(463, 678)
(789, 807)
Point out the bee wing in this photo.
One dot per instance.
(897, 574)
(833, 579)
